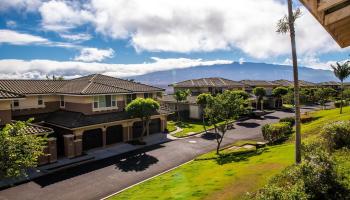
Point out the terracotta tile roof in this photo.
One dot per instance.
(287, 83)
(87, 85)
(9, 95)
(31, 86)
(208, 82)
(258, 83)
(37, 129)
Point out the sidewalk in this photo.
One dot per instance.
(89, 156)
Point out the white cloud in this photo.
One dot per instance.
(20, 5)
(94, 54)
(12, 68)
(62, 15)
(241, 61)
(191, 26)
(11, 24)
(13, 37)
(311, 61)
(76, 37)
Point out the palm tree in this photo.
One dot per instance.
(341, 71)
(286, 24)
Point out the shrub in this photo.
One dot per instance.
(291, 120)
(277, 131)
(305, 118)
(337, 135)
(315, 178)
(337, 103)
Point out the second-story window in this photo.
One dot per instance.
(104, 101)
(148, 95)
(130, 97)
(40, 100)
(62, 103)
(15, 103)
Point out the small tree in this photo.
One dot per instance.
(279, 92)
(202, 100)
(220, 110)
(180, 95)
(55, 78)
(260, 92)
(19, 150)
(143, 109)
(324, 94)
(341, 71)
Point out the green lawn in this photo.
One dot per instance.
(209, 177)
(206, 178)
(188, 127)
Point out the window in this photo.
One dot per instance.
(114, 101)
(15, 103)
(130, 97)
(62, 103)
(40, 100)
(148, 95)
(104, 101)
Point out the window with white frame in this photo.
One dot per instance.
(104, 102)
(40, 100)
(62, 103)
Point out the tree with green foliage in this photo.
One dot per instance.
(19, 150)
(341, 71)
(180, 96)
(279, 92)
(55, 78)
(221, 110)
(202, 100)
(324, 94)
(346, 94)
(143, 109)
(286, 25)
(243, 94)
(259, 92)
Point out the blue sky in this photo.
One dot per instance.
(132, 37)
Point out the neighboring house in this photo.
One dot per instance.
(330, 84)
(85, 113)
(189, 108)
(207, 85)
(197, 86)
(287, 83)
(251, 84)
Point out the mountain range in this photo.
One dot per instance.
(234, 71)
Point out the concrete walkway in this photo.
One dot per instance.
(99, 179)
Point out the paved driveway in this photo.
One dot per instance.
(99, 179)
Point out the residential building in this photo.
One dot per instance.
(190, 108)
(83, 113)
(207, 85)
(251, 84)
(330, 84)
(287, 83)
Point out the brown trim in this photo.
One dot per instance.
(49, 107)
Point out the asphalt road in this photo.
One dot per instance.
(102, 178)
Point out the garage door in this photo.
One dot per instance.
(114, 134)
(154, 126)
(92, 139)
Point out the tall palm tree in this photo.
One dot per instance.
(341, 71)
(286, 24)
